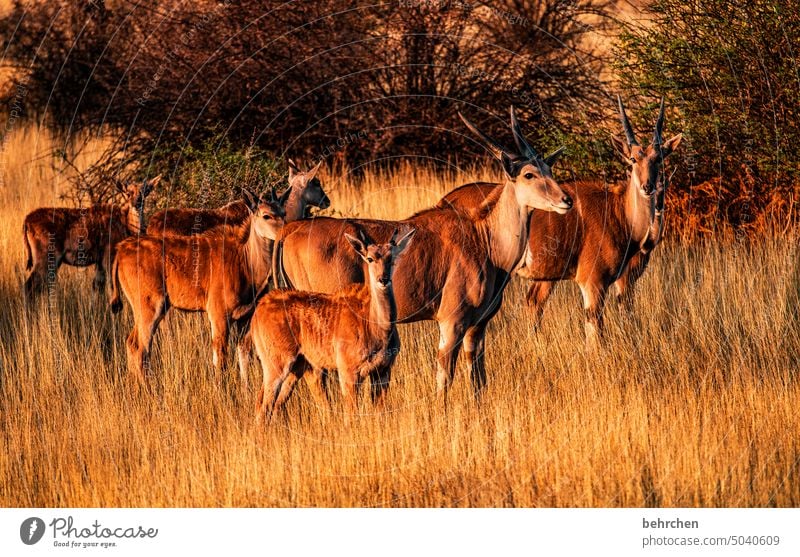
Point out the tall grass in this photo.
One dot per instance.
(692, 402)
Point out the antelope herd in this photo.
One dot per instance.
(341, 286)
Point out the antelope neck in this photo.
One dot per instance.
(382, 307)
(135, 220)
(257, 254)
(639, 212)
(507, 228)
(295, 205)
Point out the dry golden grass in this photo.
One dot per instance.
(693, 402)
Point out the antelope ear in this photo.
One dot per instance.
(621, 147)
(148, 186)
(551, 159)
(250, 199)
(405, 241)
(313, 172)
(670, 145)
(357, 244)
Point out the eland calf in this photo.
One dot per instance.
(353, 331)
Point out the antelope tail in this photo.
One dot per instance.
(28, 255)
(278, 271)
(115, 301)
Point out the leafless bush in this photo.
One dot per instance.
(345, 80)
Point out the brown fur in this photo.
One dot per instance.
(592, 244)
(217, 272)
(185, 222)
(79, 237)
(597, 246)
(601, 242)
(471, 196)
(452, 273)
(353, 331)
(624, 285)
(556, 240)
(305, 191)
(456, 270)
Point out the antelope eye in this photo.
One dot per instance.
(266, 217)
(529, 176)
(633, 159)
(370, 260)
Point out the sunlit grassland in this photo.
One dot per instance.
(692, 402)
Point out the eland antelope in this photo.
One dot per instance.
(218, 272)
(606, 240)
(456, 269)
(81, 236)
(304, 191)
(623, 286)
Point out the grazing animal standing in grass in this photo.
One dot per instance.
(595, 244)
(623, 286)
(305, 191)
(456, 270)
(468, 196)
(81, 236)
(353, 331)
(218, 272)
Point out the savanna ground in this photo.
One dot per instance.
(692, 402)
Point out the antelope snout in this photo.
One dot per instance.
(564, 206)
(385, 281)
(325, 203)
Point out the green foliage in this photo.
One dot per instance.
(588, 157)
(214, 172)
(729, 70)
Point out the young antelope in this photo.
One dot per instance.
(353, 331)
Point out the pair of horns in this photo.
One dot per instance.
(524, 149)
(626, 125)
